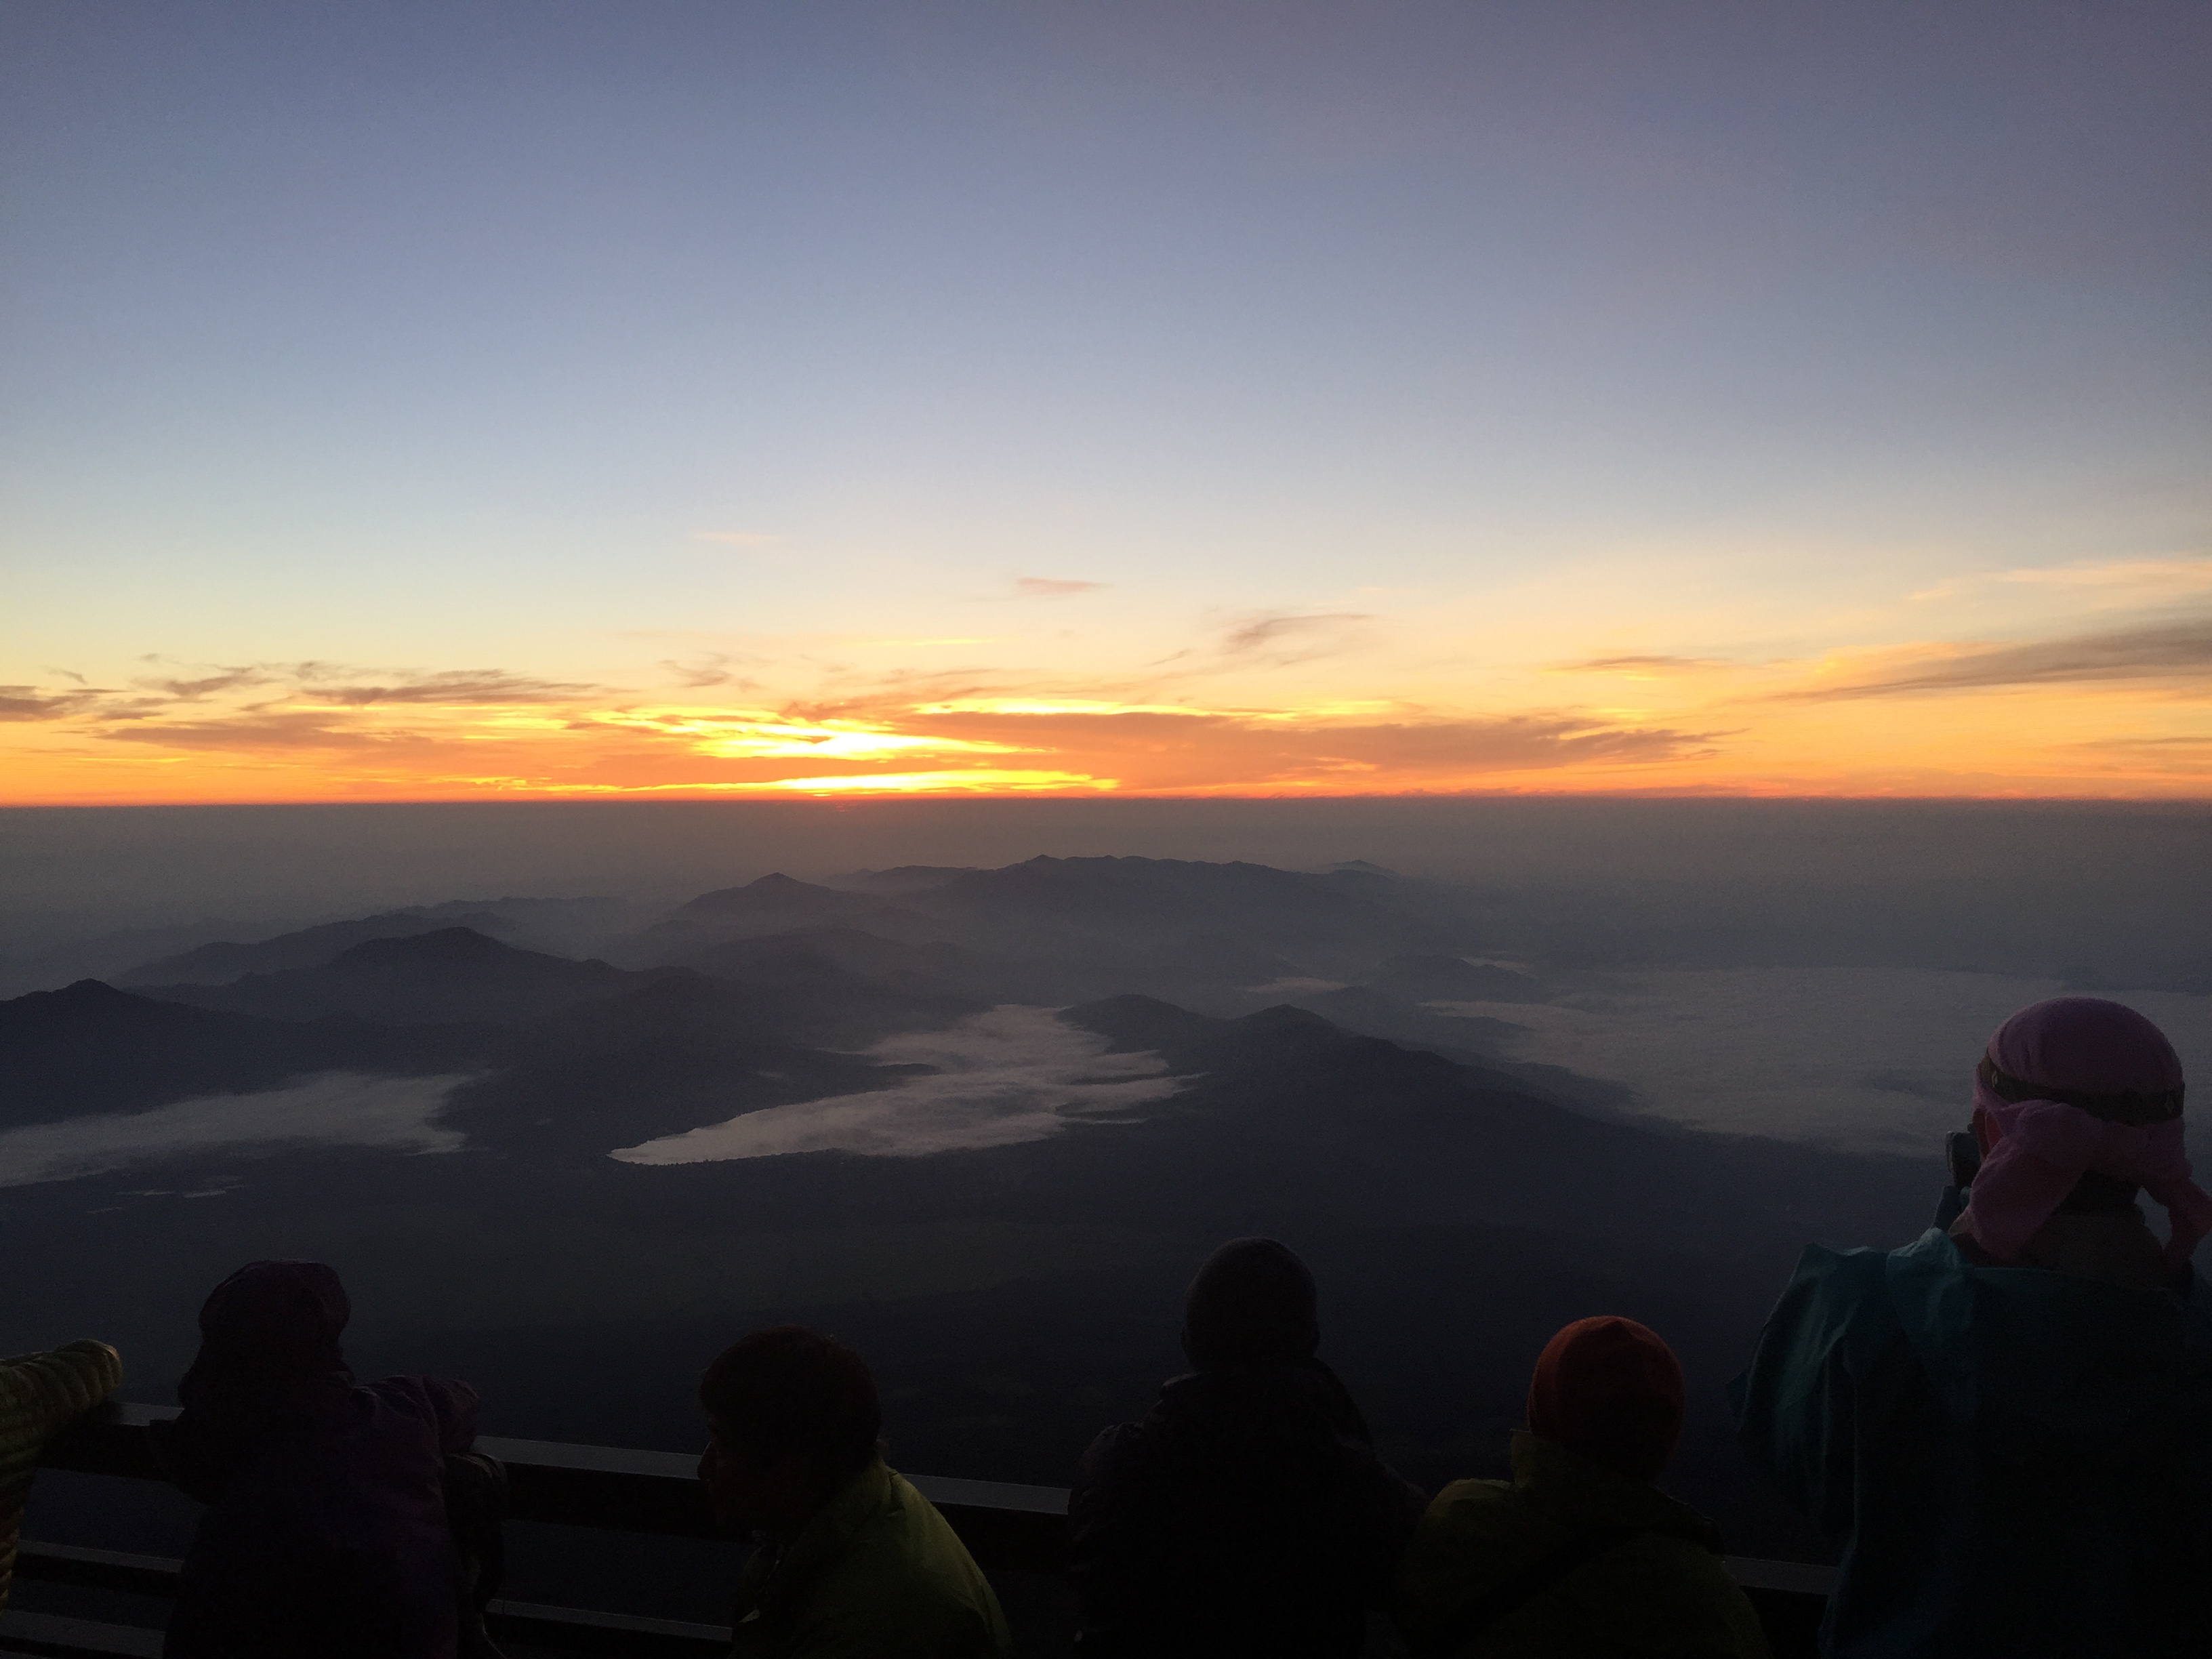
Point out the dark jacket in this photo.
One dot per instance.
(1568, 1557)
(326, 1535)
(1246, 1514)
(2021, 1460)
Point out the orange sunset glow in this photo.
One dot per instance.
(2111, 710)
(1499, 401)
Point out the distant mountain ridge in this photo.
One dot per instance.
(1056, 930)
(447, 976)
(533, 923)
(751, 995)
(902, 880)
(309, 947)
(91, 1047)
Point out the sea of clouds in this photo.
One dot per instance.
(1861, 1058)
(334, 1108)
(1013, 1074)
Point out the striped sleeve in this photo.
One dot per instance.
(41, 1393)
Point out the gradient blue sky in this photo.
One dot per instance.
(607, 350)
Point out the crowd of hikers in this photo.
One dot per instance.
(2007, 1424)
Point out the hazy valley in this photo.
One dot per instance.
(983, 1122)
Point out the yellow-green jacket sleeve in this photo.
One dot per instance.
(40, 1394)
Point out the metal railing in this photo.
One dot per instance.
(1006, 1527)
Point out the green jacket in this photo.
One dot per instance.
(1662, 1590)
(40, 1394)
(2021, 1459)
(877, 1575)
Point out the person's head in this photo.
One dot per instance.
(269, 1325)
(2077, 1106)
(2102, 1057)
(795, 1417)
(1609, 1389)
(1252, 1303)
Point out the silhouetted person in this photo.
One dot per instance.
(1248, 1514)
(326, 1535)
(41, 1395)
(2012, 1421)
(1579, 1552)
(851, 1562)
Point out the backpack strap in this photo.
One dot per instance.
(1494, 1605)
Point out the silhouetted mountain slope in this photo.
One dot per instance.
(1359, 1127)
(774, 904)
(1058, 930)
(454, 975)
(845, 962)
(792, 988)
(904, 879)
(94, 1048)
(560, 926)
(1379, 1013)
(310, 947)
(673, 1054)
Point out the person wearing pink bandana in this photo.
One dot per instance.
(2009, 1422)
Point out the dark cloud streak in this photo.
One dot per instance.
(1284, 638)
(29, 702)
(1652, 664)
(459, 685)
(2165, 651)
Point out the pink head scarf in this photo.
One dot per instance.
(2070, 1085)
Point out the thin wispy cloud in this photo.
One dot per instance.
(207, 685)
(251, 731)
(713, 669)
(452, 687)
(1638, 666)
(2111, 581)
(2164, 651)
(1282, 638)
(1197, 750)
(29, 702)
(825, 714)
(1047, 588)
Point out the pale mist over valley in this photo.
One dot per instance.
(976, 1084)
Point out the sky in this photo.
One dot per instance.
(485, 401)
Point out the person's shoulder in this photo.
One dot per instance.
(1862, 1268)
(1471, 1496)
(904, 1570)
(446, 1408)
(1835, 1289)
(1475, 1535)
(421, 1393)
(1111, 1446)
(926, 1548)
(1470, 1508)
